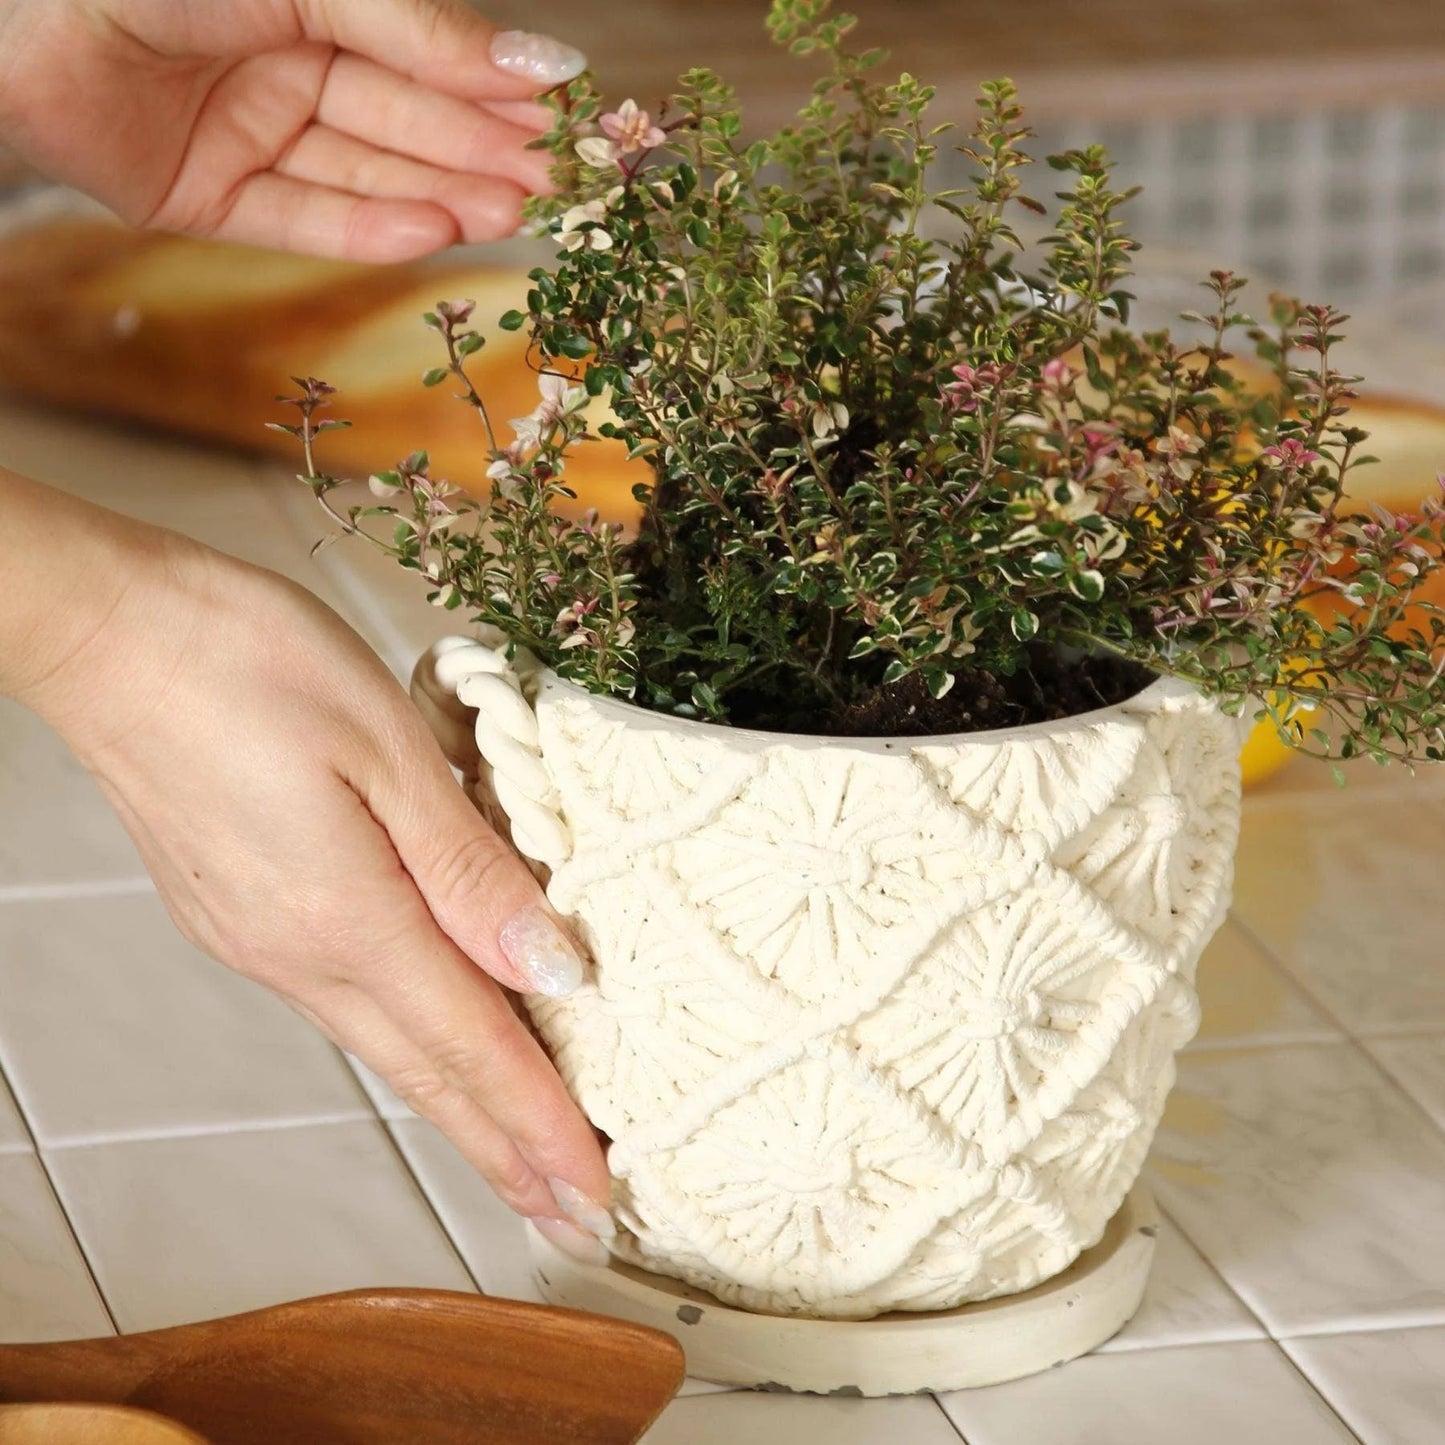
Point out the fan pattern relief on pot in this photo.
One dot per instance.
(874, 1029)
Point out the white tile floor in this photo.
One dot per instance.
(179, 1146)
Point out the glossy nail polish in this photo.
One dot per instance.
(586, 1213)
(537, 57)
(571, 1240)
(538, 949)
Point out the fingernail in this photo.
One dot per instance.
(541, 953)
(571, 1240)
(537, 57)
(585, 1212)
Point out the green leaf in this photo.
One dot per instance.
(435, 376)
(512, 320)
(1024, 624)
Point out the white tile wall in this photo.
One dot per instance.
(1313, 1186)
(1337, 889)
(791, 1420)
(1248, 999)
(190, 1228)
(1246, 1394)
(1418, 1065)
(211, 1155)
(1388, 1387)
(1186, 1302)
(58, 831)
(46, 1292)
(13, 1135)
(112, 1025)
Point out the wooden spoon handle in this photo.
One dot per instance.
(428, 1367)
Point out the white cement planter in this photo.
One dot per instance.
(874, 1025)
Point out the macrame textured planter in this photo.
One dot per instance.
(874, 1025)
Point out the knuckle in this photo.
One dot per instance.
(424, 1093)
(512, 1178)
(462, 1068)
(472, 868)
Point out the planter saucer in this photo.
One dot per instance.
(895, 1354)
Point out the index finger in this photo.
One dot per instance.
(446, 44)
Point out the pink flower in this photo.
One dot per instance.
(632, 129)
(1058, 374)
(962, 394)
(1179, 449)
(1291, 453)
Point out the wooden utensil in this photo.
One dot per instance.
(89, 1425)
(374, 1367)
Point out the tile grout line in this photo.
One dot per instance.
(1358, 1041)
(1217, 1273)
(1324, 1399)
(948, 1419)
(396, 1147)
(67, 892)
(432, 1209)
(361, 1114)
(1356, 1328)
(43, 1164)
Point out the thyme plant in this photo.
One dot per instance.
(890, 448)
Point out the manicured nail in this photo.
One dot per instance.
(571, 1240)
(541, 953)
(586, 1213)
(537, 57)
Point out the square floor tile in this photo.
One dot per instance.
(1387, 1386)
(188, 1229)
(113, 1025)
(1347, 899)
(1186, 1302)
(1246, 1394)
(1248, 999)
(13, 1134)
(752, 1419)
(46, 1292)
(55, 824)
(1418, 1066)
(1311, 1183)
(490, 1236)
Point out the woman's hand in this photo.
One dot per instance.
(378, 130)
(303, 827)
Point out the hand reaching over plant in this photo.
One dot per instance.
(303, 828)
(378, 131)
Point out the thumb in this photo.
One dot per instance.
(482, 895)
(445, 44)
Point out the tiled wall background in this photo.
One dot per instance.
(1344, 205)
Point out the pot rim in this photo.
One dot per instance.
(1163, 694)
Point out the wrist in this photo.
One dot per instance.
(75, 578)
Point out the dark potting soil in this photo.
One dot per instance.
(1048, 689)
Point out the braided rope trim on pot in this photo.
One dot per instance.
(478, 703)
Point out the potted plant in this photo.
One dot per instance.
(887, 766)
